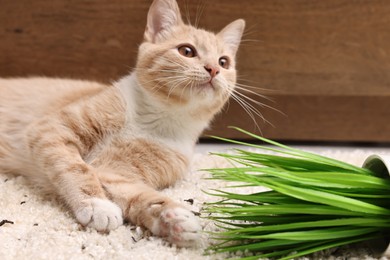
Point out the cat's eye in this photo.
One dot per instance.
(187, 51)
(224, 62)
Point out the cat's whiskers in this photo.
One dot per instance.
(192, 75)
(245, 88)
(164, 83)
(247, 103)
(187, 12)
(184, 87)
(240, 79)
(240, 88)
(171, 61)
(249, 109)
(199, 12)
(173, 81)
(179, 81)
(169, 73)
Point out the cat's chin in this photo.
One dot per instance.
(207, 89)
(206, 86)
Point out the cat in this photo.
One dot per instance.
(106, 150)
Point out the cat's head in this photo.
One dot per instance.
(185, 66)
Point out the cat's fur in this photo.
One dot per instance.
(106, 150)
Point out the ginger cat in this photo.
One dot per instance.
(107, 150)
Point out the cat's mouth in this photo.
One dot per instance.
(207, 85)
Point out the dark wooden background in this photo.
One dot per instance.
(325, 64)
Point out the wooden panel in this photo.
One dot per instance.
(315, 118)
(70, 38)
(325, 63)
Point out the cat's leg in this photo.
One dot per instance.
(56, 150)
(146, 207)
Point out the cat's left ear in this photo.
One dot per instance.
(162, 16)
(232, 34)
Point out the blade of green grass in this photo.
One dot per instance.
(315, 202)
(327, 198)
(309, 235)
(289, 163)
(311, 178)
(295, 152)
(365, 222)
(283, 210)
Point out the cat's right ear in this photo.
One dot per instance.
(162, 16)
(232, 34)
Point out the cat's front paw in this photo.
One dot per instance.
(101, 214)
(179, 226)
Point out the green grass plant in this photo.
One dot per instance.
(312, 202)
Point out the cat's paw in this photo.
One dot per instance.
(179, 226)
(101, 214)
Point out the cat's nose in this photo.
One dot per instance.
(212, 70)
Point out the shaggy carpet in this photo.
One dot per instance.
(33, 226)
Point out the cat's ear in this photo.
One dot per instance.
(162, 16)
(232, 34)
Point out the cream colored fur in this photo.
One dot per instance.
(105, 150)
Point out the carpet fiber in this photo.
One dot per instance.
(40, 228)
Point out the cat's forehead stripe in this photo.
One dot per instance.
(206, 42)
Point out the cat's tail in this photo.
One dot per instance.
(5, 151)
(8, 164)
(14, 161)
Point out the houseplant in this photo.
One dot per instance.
(311, 203)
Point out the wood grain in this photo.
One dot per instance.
(315, 118)
(78, 39)
(325, 63)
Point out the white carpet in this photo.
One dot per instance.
(42, 229)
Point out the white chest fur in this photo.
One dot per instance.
(149, 118)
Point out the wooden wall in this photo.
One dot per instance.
(325, 64)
